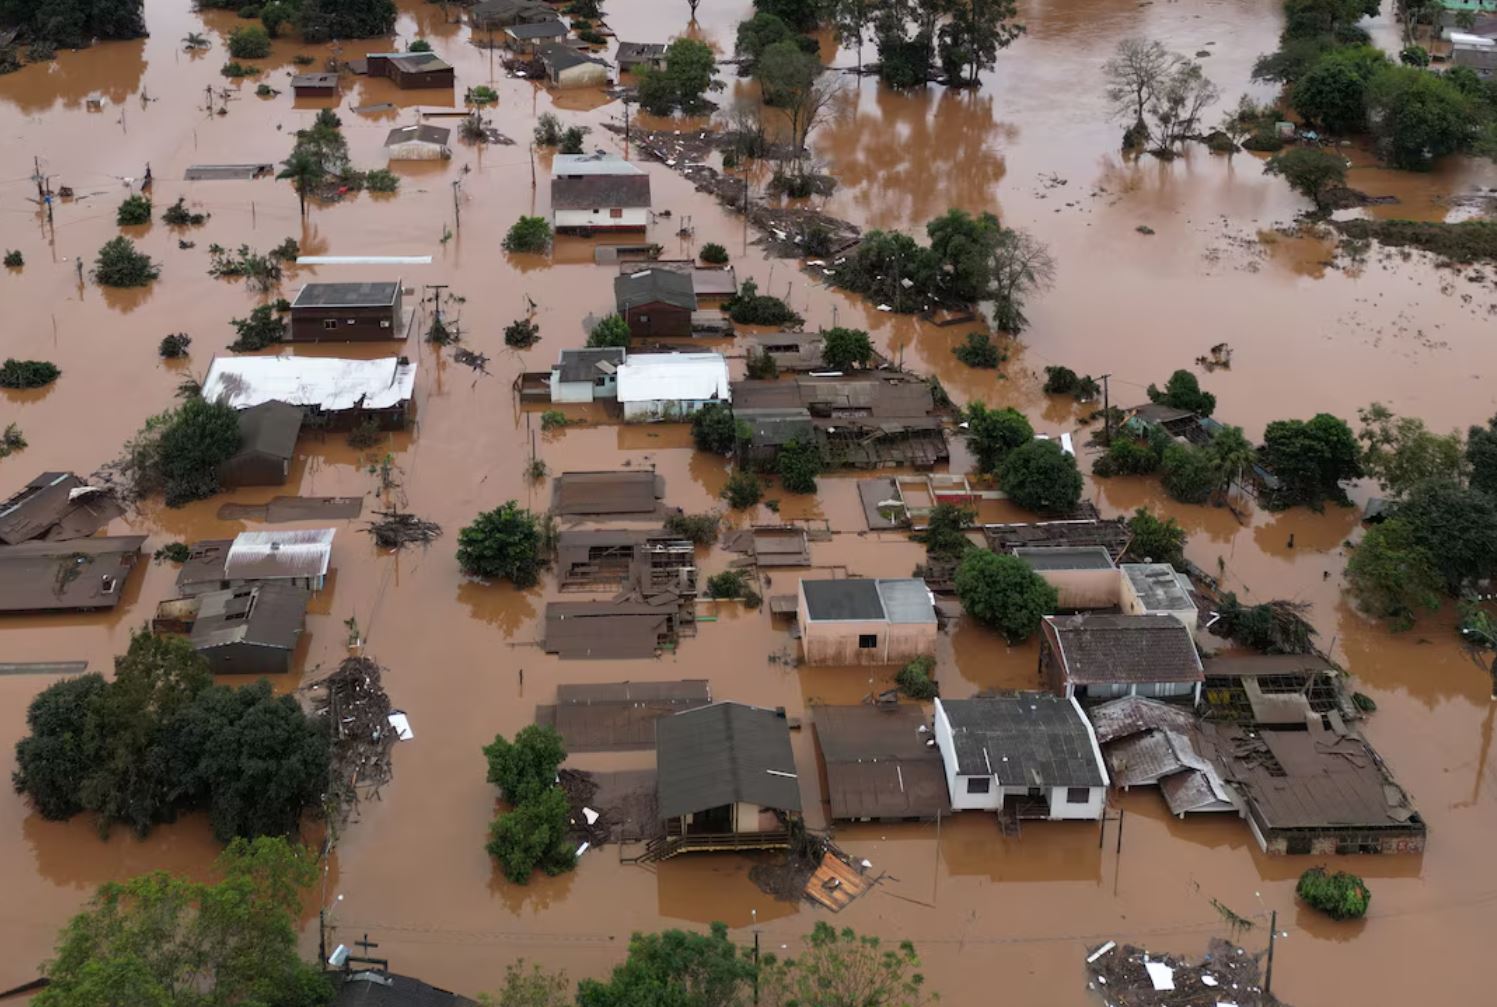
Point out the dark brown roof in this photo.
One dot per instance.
(47, 507)
(314, 80)
(600, 192)
(606, 629)
(618, 716)
(878, 764)
(654, 286)
(436, 135)
(1111, 534)
(726, 753)
(383, 989)
(1097, 649)
(584, 493)
(269, 429)
(846, 395)
(1258, 665)
(205, 563)
(60, 576)
(262, 615)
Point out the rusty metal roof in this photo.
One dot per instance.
(60, 576)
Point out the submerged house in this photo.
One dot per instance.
(726, 780)
(1150, 743)
(267, 443)
(56, 507)
(249, 630)
(657, 303)
(566, 67)
(598, 192)
(1102, 656)
(1023, 755)
(299, 558)
(418, 143)
(492, 14)
(860, 620)
(1158, 589)
(879, 766)
(382, 988)
(527, 37)
(73, 576)
(347, 312)
(411, 70)
(587, 375)
(331, 392)
(633, 55)
(1083, 576)
(671, 386)
(314, 85)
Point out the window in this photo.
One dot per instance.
(601, 381)
(384, 323)
(351, 321)
(978, 784)
(616, 213)
(867, 641)
(329, 323)
(596, 211)
(1078, 795)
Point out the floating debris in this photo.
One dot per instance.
(1128, 976)
(358, 713)
(395, 529)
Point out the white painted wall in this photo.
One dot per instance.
(1063, 810)
(956, 784)
(413, 150)
(601, 218)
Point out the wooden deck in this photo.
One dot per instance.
(836, 884)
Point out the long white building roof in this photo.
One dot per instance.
(688, 377)
(563, 165)
(329, 383)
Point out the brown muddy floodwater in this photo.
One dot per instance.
(1034, 145)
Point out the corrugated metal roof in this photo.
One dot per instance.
(1158, 587)
(1023, 739)
(907, 601)
(726, 753)
(56, 506)
(690, 377)
(436, 135)
(327, 383)
(263, 615)
(582, 365)
(649, 286)
(262, 555)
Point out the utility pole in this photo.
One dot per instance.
(457, 212)
(1106, 413)
(755, 913)
(532, 165)
(1273, 933)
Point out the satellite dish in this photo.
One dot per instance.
(338, 957)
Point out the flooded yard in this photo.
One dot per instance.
(1311, 333)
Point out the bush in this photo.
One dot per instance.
(524, 769)
(571, 140)
(27, 373)
(700, 529)
(249, 41)
(592, 37)
(265, 91)
(381, 180)
(1183, 391)
(1039, 476)
(1060, 381)
(174, 346)
(979, 350)
(177, 215)
(1126, 457)
(533, 835)
(553, 419)
(135, 210)
(945, 534)
(1001, 591)
(799, 463)
(1311, 459)
(11, 440)
(1342, 896)
(1189, 473)
(120, 265)
(420, 45)
(761, 366)
(482, 94)
(914, 679)
(249, 12)
(174, 552)
(504, 542)
(366, 435)
(611, 331)
(547, 130)
(749, 307)
(1151, 540)
(714, 429)
(236, 69)
(743, 490)
(200, 437)
(843, 349)
(522, 333)
(528, 234)
(261, 329)
(728, 584)
(714, 254)
(14, 259)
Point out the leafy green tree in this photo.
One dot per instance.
(200, 437)
(135, 210)
(761, 31)
(713, 254)
(689, 73)
(165, 941)
(1311, 172)
(1039, 476)
(528, 234)
(420, 45)
(59, 751)
(120, 265)
(27, 373)
(1457, 527)
(784, 70)
(532, 987)
(1341, 896)
(798, 464)
(963, 244)
(1333, 92)
(1155, 540)
(1391, 576)
(993, 433)
(1400, 451)
(851, 20)
(945, 534)
(1481, 456)
(262, 328)
(1311, 458)
(843, 349)
(1414, 55)
(306, 173)
(74, 24)
(749, 307)
(1231, 454)
(714, 429)
(974, 33)
(249, 41)
(675, 968)
(611, 331)
(504, 542)
(979, 350)
(1021, 266)
(890, 268)
(321, 20)
(1001, 591)
(1183, 391)
(526, 767)
(533, 837)
(802, 15)
(1417, 116)
(743, 490)
(1127, 457)
(1189, 473)
(915, 681)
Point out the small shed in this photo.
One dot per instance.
(633, 55)
(267, 435)
(347, 312)
(250, 630)
(1083, 576)
(1103, 656)
(1149, 588)
(727, 778)
(588, 374)
(314, 85)
(671, 386)
(412, 70)
(566, 67)
(860, 620)
(656, 303)
(1024, 754)
(418, 143)
(598, 192)
(524, 38)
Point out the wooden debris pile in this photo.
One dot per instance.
(395, 529)
(1126, 976)
(358, 714)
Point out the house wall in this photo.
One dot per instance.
(420, 79)
(306, 91)
(345, 325)
(630, 218)
(657, 319)
(254, 470)
(956, 784)
(1482, 60)
(1091, 810)
(838, 642)
(582, 75)
(662, 409)
(1132, 604)
(1149, 690)
(1083, 589)
(247, 659)
(416, 150)
(579, 391)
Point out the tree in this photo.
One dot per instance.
(526, 767)
(1152, 540)
(161, 940)
(944, 534)
(798, 464)
(120, 265)
(714, 429)
(1231, 454)
(58, 750)
(27, 373)
(1341, 896)
(841, 968)
(1414, 55)
(1311, 458)
(1002, 591)
(761, 31)
(978, 350)
(689, 74)
(1333, 92)
(1457, 527)
(1417, 116)
(675, 968)
(1390, 576)
(1183, 391)
(794, 85)
(993, 433)
(419, 45)
(1189, 473)
(74, 24)
(528, 234)
(1127, 457)
(1176, 105)
(742, 490)
(201, 436)
(1481, 456)
(749, 307)
(1400, 451)
(612, 330)
(532, 987)
(1021, 265)
(713, 254)
(1040, 476)
(571, 140)
(262, 328)
(890, 268)
(802, 15)
(503, 542)
(249, 41)
(964, 246)
(305, 172)
(321, 20)
(850, 20)
(972, 36)
(1310, 172)
(135, 210)
(533, 836)
(843, 349)
(522, 333)
(1134, 74)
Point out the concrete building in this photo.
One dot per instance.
(671, 386)
(587, 375)
(267, 434)
(865, 621)
(598, 192)
(566, 67)
(1157, 589)
(314, 85)
(418, 143)
(1023, 755)
(1102, 656)
(347, 312)
(1083, 576)
(332, 393)
(657, 303)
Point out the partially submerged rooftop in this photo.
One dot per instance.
(617, 629)
(878, 764)
(691, 377)
(1024, 739)
(588, 363)
(378, 294)
(618, 716)
(583, 494)
(261, 615)
(1060, 557)
(1105, 648)
(327, 383)
(655, 286)
(1159, 587)
(1111, 534)
(269, 430)
(56, 506)
(86, 573)
(904, 600)
(435, 135)
(297, 553)
(726, 753)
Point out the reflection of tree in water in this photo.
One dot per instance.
(916, 154)
(539, 894)
(498, 604)
(113, 69)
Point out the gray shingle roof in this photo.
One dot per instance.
(377, 989)
(425, 134)
(582, 364)
(726, 753)
(269, 429)
(1092, 557)
(540, 29)
(1024, 739)
(603, 192)
(560, 57)
(378, 294)
(651, 285)
(1100, 649)
(265, 615)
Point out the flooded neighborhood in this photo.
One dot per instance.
(625, 502)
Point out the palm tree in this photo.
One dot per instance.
(305, 172)
(1232, 453)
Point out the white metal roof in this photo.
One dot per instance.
(1466, 40)
(257, 555)
(329, 383)
(563, 165)
(690, 377)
